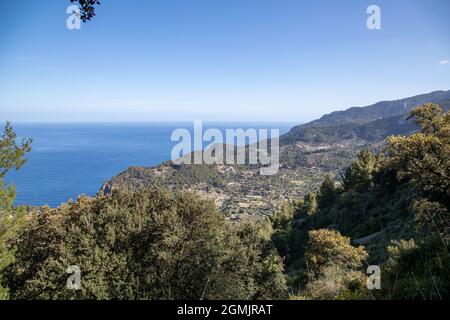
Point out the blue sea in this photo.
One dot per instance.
(68, 160)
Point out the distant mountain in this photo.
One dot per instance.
(380, 110)
(371, 123)
(334, 133)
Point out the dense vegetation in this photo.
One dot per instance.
(142, 241)
(396, 202)
(11, 219)
(143, 245)
(307, 154)
(388, 208)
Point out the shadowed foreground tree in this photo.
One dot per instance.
(327, 194)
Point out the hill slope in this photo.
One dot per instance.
(380, 110)
(307, 153)
(370, 123)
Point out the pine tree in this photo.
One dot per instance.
(327, 194)
(424, 157)
(307, 206)
(358, 175)
(11, 157)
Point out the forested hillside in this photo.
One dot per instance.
(307, 154)
(395, 203)
(381, 110)
(371, 123)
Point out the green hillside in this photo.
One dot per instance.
(307, 154)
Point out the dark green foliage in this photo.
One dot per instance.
(423, 158)
(401, 196)
(11, 154)
(307, 206)
(327, 194)
(11, 219)
(359, 174)
(143, 245)
(417, 270)
(282, 227)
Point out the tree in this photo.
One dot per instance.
(432, 120)
(11, 154)
(334, 266)
(87, 8)
(328, 247)
(402, 193)
(10, 222)
(424, 157)
(417, 270)
(148, 244)
(11, 157)
(307, 206)
(327, 194)
(358, 175)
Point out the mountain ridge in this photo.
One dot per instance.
(308, 153)
(371, 123)
(381, 109)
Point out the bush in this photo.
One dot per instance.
(144, 245)
(329, 248)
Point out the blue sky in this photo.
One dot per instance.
(261, 60)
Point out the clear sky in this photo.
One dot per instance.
(262, 60)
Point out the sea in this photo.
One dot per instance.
(72, 159)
